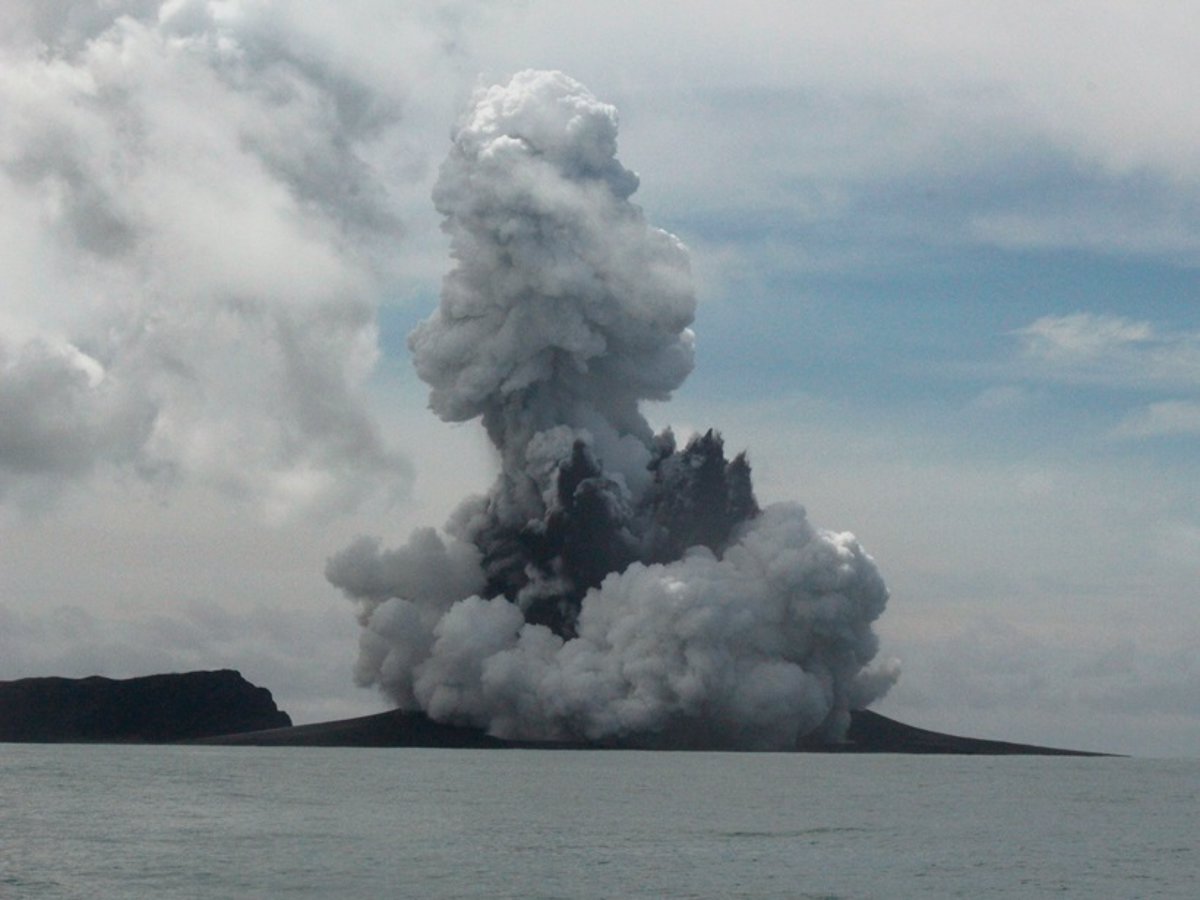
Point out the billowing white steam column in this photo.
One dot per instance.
(609, 587)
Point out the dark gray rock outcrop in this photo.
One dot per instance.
(152, 709)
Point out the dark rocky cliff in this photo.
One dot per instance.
(153, 709)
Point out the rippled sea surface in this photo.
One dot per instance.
(189, 822)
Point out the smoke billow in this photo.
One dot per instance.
(611, 585)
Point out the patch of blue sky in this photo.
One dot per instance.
(939, 348)
(955, 308)
(395, 321)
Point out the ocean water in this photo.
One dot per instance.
(244, 822)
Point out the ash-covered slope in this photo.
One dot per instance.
(151, 709)
(869, 732)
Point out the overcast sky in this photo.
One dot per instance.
(946, 260)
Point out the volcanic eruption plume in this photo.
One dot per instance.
(611, 586)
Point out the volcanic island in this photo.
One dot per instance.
(615, 588)
(223, 708)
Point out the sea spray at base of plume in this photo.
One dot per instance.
(610, 586)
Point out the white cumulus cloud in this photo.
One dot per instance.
(198, 201)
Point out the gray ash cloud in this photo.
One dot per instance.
(611, 585)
